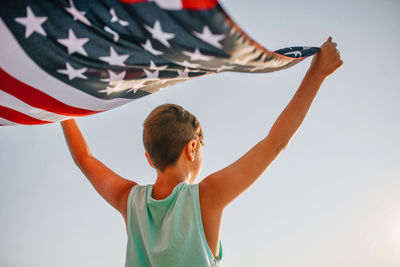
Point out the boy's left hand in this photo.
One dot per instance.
(327, 60)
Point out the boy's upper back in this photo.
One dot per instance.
(167, 232)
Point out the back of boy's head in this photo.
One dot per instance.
(166, 131)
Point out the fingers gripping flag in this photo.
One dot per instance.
(62, 59)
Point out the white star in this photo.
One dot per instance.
(188, 64)
(114, 58)
(109, 90)
(208, 37)
(157, 33)
(151, 75)
(74, 44)
(197, 55)
(77, 14)
(32, 23)
(113, 33)
(114, 76)
(155, 67)
(295, 53)
(150, 48)
(137, 86)
(114, 18)
(183, 74)
(73, 73)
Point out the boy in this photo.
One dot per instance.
(176, 222)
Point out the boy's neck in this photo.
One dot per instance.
(167, 180)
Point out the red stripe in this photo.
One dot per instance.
(199, 4)
(188, 4)
(18, 117)
(37, 98)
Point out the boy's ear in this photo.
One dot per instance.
(191, 149)
(149, 160)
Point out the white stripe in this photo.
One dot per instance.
(7, 122)
(169, 4)
(18, 64)
(37, 113)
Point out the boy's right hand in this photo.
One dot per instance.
(327, 60)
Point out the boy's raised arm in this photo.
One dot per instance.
(112, 187)
(220, 188)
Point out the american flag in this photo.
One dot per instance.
(62, 59)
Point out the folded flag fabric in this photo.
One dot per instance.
(62, 59)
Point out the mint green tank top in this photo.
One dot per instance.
(167, 232)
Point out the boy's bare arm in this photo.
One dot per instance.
(112, 187)
(222, 187)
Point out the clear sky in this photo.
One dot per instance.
(332, 198)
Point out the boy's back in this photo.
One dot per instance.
(167, 232)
